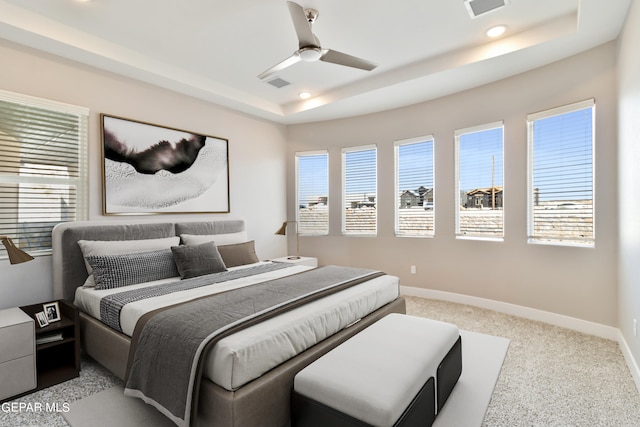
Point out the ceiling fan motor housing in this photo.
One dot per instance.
(311, 14)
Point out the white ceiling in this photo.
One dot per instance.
(214, 49)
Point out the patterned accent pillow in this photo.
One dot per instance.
(115, 271)
(198, 260)
(120, 247)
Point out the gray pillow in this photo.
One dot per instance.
(239, 253)
(198, 260)
(115, 271)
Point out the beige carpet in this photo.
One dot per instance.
(551, 376)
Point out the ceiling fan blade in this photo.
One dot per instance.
(302, 25)
(340, 58)
(281, 66)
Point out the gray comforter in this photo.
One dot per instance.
(168, 345)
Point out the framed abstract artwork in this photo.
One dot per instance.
(151, 169)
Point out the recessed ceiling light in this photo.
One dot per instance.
(304, 95)
(496, 31)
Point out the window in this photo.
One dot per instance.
(42, 168)
(359, 191)
(561, 167)
(415, 201)
(479, 189)
(312, 192)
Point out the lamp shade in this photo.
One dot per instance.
(282, 231)
(16, 255)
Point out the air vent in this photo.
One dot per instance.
(278, 82)
(480, 7)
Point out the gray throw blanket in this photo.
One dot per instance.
(111, 305)
(168, 345)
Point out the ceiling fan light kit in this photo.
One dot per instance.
(309, 49)
(310, 54)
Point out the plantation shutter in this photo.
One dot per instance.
(414, 187)
(561, 174)
(42, 168)
(479, 189)
(359, 191)
(312, 189)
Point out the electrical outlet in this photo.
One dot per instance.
(413, 269)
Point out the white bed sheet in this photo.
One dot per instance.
(244, 356)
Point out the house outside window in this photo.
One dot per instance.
(43, 173)
(414, 167)
(561, 175)
(312, 193)
(359, 191)
(479, 182)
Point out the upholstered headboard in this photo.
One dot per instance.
(69, 271)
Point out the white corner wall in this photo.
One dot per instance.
(629, 186)
(257, 150)
(570, 281)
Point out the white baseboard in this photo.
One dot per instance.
(584, 326)
(628, 357)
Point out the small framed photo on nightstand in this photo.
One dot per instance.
(42, 319)
(52, 310)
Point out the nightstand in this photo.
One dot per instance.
(57, 345)
(17, 353)
(303, 260)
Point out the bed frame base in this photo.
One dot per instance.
(264, 402)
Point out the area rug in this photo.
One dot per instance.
(482, 358)
(110, 408)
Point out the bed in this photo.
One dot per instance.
(231, 390)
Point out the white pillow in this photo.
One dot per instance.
(218, 239)
(121, 247)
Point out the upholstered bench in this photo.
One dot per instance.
(398, 372)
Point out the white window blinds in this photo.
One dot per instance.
(479, 189)
(42, 168)
(312, 189)
(359, 191)
(561, 175)
(415, 202)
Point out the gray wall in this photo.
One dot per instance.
(572, 281)
(629, 180)
(257, 150)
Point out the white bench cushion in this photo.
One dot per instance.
(374, 375)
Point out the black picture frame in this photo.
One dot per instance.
(51, 311)
(152, 169)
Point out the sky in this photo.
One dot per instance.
(313, 177)
(562, 161)
(563, 156)
(481, 159)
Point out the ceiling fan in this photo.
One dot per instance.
(309, 49)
